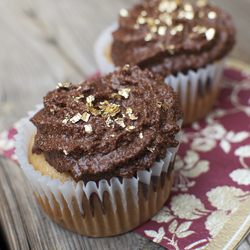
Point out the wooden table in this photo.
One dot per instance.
(43, 42)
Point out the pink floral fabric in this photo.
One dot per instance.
(212, 171)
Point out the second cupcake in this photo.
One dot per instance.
(185, 43)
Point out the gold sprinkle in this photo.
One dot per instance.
(76, 118)
(129, 111)
(41, 142)
(141, 135)
(201, 3)
(124, 92)
(52, 111)
(109, 109)
(158, 105)
(66, 119)
(76, 99)
(168, 6)
(79, 88)
(123, 115)
(164, 106)
(212, 15)
(162, 30)
(157, 21)
(150, 20)
(123, 12)
(85, 117)
(132, 117)
(115, 95)
(201, 14)
(141, 20)
(188, 7)
(144, 13)
(65, 152)
(148, 37)
(112, 136)
(150, 149)
(169, 21)
(109, 122)
(170, 49)
(210, 33)
(64, 85)
(88, 128)
(126, 66)
(128, 128)
(120, 122)
(181, 14)
(136, 26)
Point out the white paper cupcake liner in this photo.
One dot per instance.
(192, 87)
(54, 191)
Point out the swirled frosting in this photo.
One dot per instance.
(108, 127)
(170, 36)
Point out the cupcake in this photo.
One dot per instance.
(100, 155)
(184, 42)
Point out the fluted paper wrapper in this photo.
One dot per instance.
(198, 89)
(104, 210)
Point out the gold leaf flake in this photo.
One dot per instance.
(90, 99)
(65, 152)
(76, 99)
(64, 85)
(123, 115)
(144, 13)
(210, 33)
(79, 88)
(95, 112)
(189, 15)
(132, 117)
(212, 15)
(201, 14)
(162, 30)
(76, 118)
(136, 26)
(88, 128)
(164, 106)
(128, 128)
(115, 95)
(124, 92)
(141, 20)
(179, 27)
(157, 21)
(41, 142)
(109, 109)
(201, 3)
(150, 149)
(66, 119)
(141, 135)
(129, 111)
(188, 7)
(148, 37)
(123, 12)
(85, 117)
(170, 48)
(120, 122)
(109, 122)
(52, 111)
(158, 105)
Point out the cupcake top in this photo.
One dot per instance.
(108, 127)
(170, 36)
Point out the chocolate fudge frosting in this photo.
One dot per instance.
(108, 127)
(170, 36)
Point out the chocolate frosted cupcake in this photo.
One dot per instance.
(102, 156)
(184, 42)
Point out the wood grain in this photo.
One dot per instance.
(44, 42)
